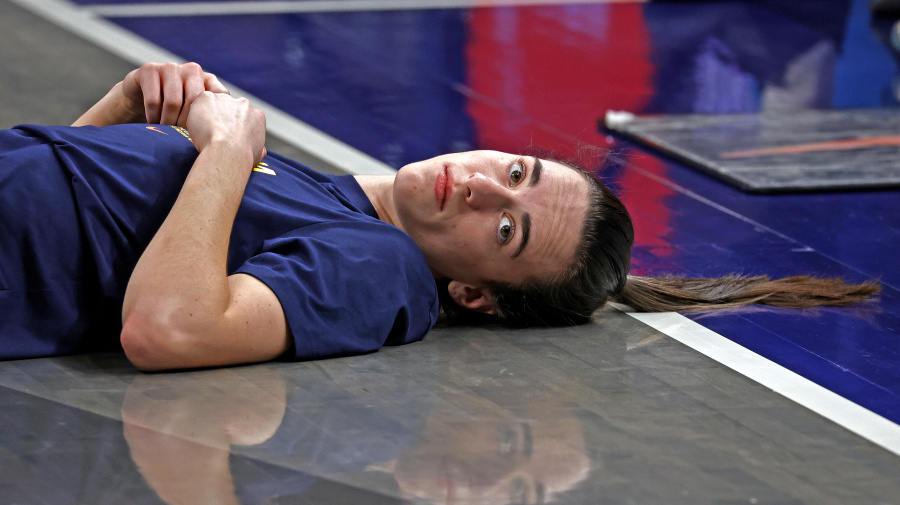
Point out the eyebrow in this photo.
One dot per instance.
(526, 217)
(536, 172)
(526, 233)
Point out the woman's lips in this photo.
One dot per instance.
(443, 186)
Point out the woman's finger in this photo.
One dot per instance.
(212, 84)
(173, 94)
(149, 82)
(193, 86)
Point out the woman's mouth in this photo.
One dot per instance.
(443, 186)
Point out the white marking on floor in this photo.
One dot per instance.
(295, 6)
(137, 50)
(832, 406)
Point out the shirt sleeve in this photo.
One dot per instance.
(348, 288)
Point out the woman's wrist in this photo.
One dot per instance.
(226, 148)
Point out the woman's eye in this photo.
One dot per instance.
(516, 173)
(505, 230)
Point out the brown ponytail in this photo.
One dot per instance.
(671, 293)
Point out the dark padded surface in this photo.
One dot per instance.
(792, 151)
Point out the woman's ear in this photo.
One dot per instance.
(471, 297)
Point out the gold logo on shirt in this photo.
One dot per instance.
(184, 133)
(264, 168)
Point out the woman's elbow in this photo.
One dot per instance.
(152, 344)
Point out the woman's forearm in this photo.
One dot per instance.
(180, 305)
(182, 275)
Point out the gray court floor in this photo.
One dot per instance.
(610, 412)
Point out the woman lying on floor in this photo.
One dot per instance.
(171, 233)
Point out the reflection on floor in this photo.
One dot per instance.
(612, 410)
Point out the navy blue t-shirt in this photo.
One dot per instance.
(79, 205)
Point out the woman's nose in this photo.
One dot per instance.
(483, 192)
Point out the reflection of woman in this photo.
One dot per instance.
(497, 458)
(509, 438)
(211, 265)
(223, 437)
(180, 435)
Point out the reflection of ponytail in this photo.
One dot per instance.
(670, 293)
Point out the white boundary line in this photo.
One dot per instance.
(832, 406)
(295, 6)
(839, 410)
(137, 50)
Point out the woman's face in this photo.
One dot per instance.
(486, 216)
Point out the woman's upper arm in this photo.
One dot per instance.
(254, 325)
(252, 329)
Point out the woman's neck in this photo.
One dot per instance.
(380, 191)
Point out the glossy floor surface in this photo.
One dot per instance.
(611, 412)
(608, 413)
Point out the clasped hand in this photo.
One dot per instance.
(185, 95)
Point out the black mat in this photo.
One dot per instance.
(796, 151)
